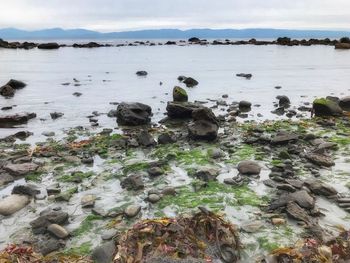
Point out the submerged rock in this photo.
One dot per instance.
(16, 84)
(133, 114)
(190, 82)
(56, 115)
(13, 203)
(16, 119)
(7, 91)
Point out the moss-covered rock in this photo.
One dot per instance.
(179, 94)
(326, 107)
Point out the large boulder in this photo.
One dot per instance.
(13, 203)
(7, 91)
(203, 130)
(249, 168)
(179, 94)
(205, 114)
(133, 114)
(344, 103)
(16, 119)
(181, 109)
(49, 46)
(326, 107)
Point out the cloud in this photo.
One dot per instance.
(118, 15)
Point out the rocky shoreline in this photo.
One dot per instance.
(343, 43)
(277, 181)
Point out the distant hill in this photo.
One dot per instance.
(58, 33)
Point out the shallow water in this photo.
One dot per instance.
(108, 75)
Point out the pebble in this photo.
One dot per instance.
(132, 210)
(88, 201)
(58, 231)
(153, 198)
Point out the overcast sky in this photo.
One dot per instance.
(119, 15)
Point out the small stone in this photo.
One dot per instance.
(57, 231)
(153, 198)
(88, 201)
(48, 134)
(252, 227)
(155, 171)
(278, 221)
(132, 210)
(249, 168)
(108, 234)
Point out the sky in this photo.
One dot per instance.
(121, 15)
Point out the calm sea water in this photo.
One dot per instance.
(108, 75)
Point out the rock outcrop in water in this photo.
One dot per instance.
(16, 119)
(49, 46)
(133, 114)
(9, 89)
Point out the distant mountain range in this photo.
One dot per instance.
(59, 33)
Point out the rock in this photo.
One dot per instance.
(13, 203)
(28, 190)
(342, 46)
(344, 103)
(133, 114)
(48, 133)
(77, 94)
(141, 73)
(284, 138)
(303, 199)
(278, 221)
(153, 198)
(133, 182)
(112, 113)
(194, 39)
(249, 168)
(181, 78)
(216, 153)
(326, 107)
(7, 91)
(49, 245)
(296, 212)
(132, 210)
(88, 201)
(252, 227)
(21, 169)
(179, 94)
(244, 75)
(190, 82)
(108, 234)
(166, 138)
(16, 84)
(283, 101)
(16, 119)
(56, 115)
(204, 114)
(203, 130)
(244, 105)
(5, 178)
(145, 139)
(48, 46)
(181, 109)
(320, 159)
(207, 174)
(320, 188)
(155, 171)
(169, 191)
(104, 253)
(57, 231)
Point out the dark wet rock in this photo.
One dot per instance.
(296, 212)
(244, 105)
(13, 203)
(181, 78)
(342, 46)
(155, 171)
(145, 139)
(56, 115)
(320, 188)
(283, 101)
(49, 245)
(112, 113)
(104, 253)
(207, 174)
(5, 178)
(190, 82)
(286, 187)
(16, 84)
(29, 190)
(194, 39)
(49, 46)
(141, 73)
(270, 183)
(133, 114)
(46, 218)
(203, 130)
(344, 103)
(303, 198)
(249, 168)
(7, 108)
(132, 210)
(58, 231)
(7, 91)
(320, 159)
(204, 114)
(284, 138)
(181, 109)
(166, 138)
(77, 94)
(326, 107)
(179, 94)
(244, 75)
(16, 119)
(169, 191)
(21, 169)
(133, 182)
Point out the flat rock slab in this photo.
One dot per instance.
(321, 160)
(16, 119)
(21, 169)
(13, 203)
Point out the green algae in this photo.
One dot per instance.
(73, 177)
(83, 250)
(243, 152)
(214, 195)
(86, 225)
(34, 176)
(136, 167)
